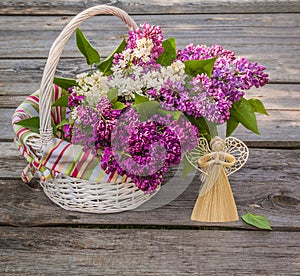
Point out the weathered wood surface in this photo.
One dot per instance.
(151, 7)
(63, 242)
(270, 39)
(243, 34)
(268, 184)
(62, 251)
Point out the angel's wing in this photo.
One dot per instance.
(194, 155)
(239, 150)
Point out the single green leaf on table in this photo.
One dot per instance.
(105, 65)
(89, 52)
(169, 54)
(64, 82)
(196, 67)
(242, 112)
(257, 221)
(258, 106)
(231, 125)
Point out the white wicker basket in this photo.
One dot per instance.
(72, 193)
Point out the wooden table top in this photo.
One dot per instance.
(49, 240)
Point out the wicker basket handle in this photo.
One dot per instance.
(54, 56)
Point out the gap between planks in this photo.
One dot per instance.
(149, 252)
(151, 7)
(268, 186)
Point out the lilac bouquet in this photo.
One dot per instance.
(144, 106)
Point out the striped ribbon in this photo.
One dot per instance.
(59, 156)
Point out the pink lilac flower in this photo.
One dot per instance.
(144, 150)
(230, 78)
(93, 127)
(150, 32)
(67, 130)
(74, 99)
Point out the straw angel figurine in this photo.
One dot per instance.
(215, 202)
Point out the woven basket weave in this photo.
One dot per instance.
(72, 193)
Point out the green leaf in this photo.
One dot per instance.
(212, 128)
(175, 114)
(140, 99)
(187, 167)
(169, 54)
(119, 105)
(61, 101)
(242, 112)
(112, 95)
(231, 125)
(201, 125)
(147, 109)
(65, 83)
(105, 65)
(258, 106)
(63, 122)
(195, 67)
(90, 53)
(257, 221)
(33, 124)
(54, 128)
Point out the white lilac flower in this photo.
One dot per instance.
(93, 87)
(143, 49)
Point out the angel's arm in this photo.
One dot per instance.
(204, 162)
(230, 158)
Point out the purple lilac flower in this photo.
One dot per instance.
(230, 78)
(250, 74)
(194, 102)
(144, 150)
(192, 52)
(93, 127)
(74, 99)
(67, 131)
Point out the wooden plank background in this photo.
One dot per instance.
(49, 240)
(250, 35)
(165, 253)
(55, 7)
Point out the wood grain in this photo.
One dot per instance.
(272, 40)
(59, 251)
(151, 7)
(268, 185)
(161, 241)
